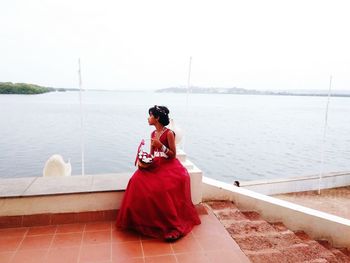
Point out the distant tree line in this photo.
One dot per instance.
(234, 90)
(24, 88)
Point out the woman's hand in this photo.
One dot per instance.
(156, 144)
(169, 151)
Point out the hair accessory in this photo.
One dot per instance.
(160, 109)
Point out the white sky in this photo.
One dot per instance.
(146, 44)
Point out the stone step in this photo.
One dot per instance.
(304, 253)
(188, 165)
(302, 235)
(196, 177)
(273, 242)
(266, 256)
(181, 155)
(318, 260)
(266, 241)
(341, 254)
(221, 205)
(250, 228)
(280, 227)
(293, 254)
(252, 215)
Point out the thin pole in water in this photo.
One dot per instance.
(188, 81)
(324, 136)
(187, 95)
(81, 122)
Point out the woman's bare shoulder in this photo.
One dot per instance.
(170, 131)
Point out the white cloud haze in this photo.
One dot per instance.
(147, 44)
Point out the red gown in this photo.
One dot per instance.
(157, 200)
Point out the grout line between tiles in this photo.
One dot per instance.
(53, 237)
(172, 249)
(143, 253)
(81, 244)
(111, 237)
(19, 245)
(198, 243)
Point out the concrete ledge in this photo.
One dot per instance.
(58, 195)
(317, 224)
(36, 186)
(298, 184)
(64, 203)
(43, 200)
(74, 194)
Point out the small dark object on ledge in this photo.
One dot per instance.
(236, 183)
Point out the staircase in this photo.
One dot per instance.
(273, 242)
(182, 156)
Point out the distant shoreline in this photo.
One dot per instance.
(240, 91)
(26, 89)
(8, 88)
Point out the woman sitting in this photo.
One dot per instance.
(157, 201)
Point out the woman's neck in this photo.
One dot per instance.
(159, 127)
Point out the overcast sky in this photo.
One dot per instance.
(147, 44)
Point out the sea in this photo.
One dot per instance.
(228, 136)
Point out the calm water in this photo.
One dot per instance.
(229, 137)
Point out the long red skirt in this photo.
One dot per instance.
(158, 200)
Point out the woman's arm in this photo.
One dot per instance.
(151, 147)
(171, 151)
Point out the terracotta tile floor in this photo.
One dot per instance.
(101, 242)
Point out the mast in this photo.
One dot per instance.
(187, 95)
(81, 122)
(324, 136)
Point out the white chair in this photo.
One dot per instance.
(55, 166)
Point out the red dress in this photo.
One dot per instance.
(157, 200)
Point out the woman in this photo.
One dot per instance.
(157, 201)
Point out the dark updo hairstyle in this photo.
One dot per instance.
(162, 112)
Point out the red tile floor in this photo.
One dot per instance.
(101, 242)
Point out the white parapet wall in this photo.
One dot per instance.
(39, 195)
(317, 224)
(63, 203)
(36, 195)
(196, 176)
(298, 184)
